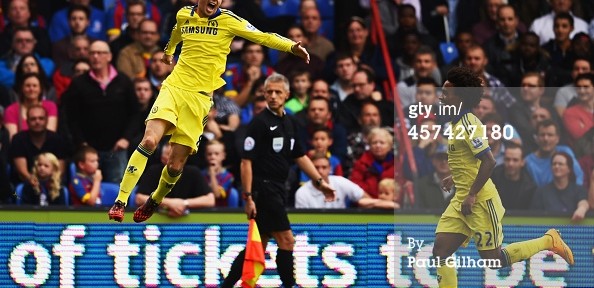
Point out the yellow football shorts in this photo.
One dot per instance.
(483, 225)
(186, 110)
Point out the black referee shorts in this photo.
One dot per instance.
(270, 198)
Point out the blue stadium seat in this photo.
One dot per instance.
(71, 170)
(109, 193)
(19, 193)
(287, 8)
(233, 198)
(66, 196)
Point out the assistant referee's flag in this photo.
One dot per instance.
(253, 265)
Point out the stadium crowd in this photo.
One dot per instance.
(78, 78)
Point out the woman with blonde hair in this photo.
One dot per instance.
(46, 178)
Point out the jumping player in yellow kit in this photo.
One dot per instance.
(181, 110)
(476, 211)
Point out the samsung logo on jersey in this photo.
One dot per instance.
(199, 30)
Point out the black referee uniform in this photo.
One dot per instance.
(271, 145)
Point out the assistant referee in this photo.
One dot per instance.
(268, 150)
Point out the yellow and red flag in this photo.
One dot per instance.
(253, 265)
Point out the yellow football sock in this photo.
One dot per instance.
(523, 250)
(165, 185)
(447, 276)
(134, 170)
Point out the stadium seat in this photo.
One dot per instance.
(289, 7)
(66, 196)
(233, 199)
(109, 193)
(19, 193)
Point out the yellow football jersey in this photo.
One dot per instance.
(466, 143)
(206, 44)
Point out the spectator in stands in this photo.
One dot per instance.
(212, 129)
(134, 58)
(582, 46)
(23, 43)
(78, 21)
(408, 22)
(562, 194)
(19, 16)
(216, 175)
(309, 197)
(248, 111)
(45, 188)
(542, 25)
(30, 64)
(495, 131)
(527, 57)
(531, 94)
(346, 66)
(317, 44)
(135, 13)
(26, 145)
(477, 61)
(500, 47)
(145, 96)
(513, 182)
(364, 89)
(300, 90)
(117, 18)
(321, 141)
(425, 65)
(63, 77)
(5, 187)
(559, 48)
(59, 28)
(538, 163)
(430, 195)
(369, 118)
(423, 148)
(289, 62)
(359, 45)
(190, 192)
(377, 163)
(487, 28)
(240, 77)
(432, 12)
(158, 70)
(426, 94)
(101, 108)
(319, 115)
(30, 94)
(579, 118)
(568, 92)
(320, 88)
(85, 186)
(389, 190)
(389, 15)
(463, 40)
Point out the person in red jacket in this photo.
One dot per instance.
(377, 163)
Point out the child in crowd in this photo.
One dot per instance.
(300, 85)
(85, 187)
(46, 177)
(389, 189)
(321, 141)
(219, 179)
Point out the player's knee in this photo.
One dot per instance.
(150, 142)
(439, 250)
(286, 242)
(174, 168)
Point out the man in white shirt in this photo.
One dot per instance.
(347, 192)
(543, 26)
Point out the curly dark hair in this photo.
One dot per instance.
(467, 85)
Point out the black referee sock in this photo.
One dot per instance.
(284, 265)
(235, 272)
